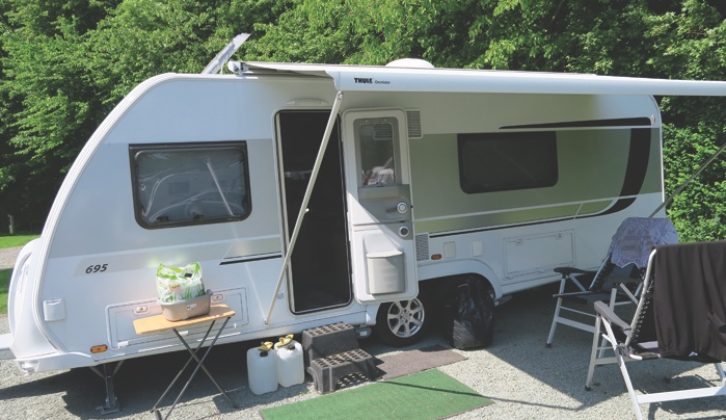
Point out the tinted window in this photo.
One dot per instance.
(507, 161)
(191, 184)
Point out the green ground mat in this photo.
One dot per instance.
(431, 394)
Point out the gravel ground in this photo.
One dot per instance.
(8, 256)
(523, 378)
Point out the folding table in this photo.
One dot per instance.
(157, 323)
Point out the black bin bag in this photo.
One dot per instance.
(471, 316)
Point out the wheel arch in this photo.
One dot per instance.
(446, 271)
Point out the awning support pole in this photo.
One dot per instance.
(306, 199)
(688, 181)
(224, 54)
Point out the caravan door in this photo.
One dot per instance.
(380, 208)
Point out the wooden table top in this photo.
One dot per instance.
(158, 323)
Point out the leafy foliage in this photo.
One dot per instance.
(64, 64)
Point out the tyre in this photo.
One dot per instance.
(403, 322)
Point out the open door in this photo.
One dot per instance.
(319, 267)
(380, 208)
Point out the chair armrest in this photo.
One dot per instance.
(582, 293)
(566, 271)
(604, 292)
(605, 311)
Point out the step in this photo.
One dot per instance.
(327, 340)
(342, 370)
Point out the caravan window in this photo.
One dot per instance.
(507, 161)
(189, 184)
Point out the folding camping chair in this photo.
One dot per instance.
(619, 277)
(684, 320)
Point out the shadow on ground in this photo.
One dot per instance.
(140, 382)
(521, 332)
(519, 343)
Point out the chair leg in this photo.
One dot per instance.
(629, 386)
(624, 371)
(553, 327)
(593, 354)
(613, 297)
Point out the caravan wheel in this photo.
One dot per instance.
(402, 322)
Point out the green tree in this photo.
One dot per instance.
(64, 64)
(690, 43)
(44, 101)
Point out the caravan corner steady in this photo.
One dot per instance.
(424, 176)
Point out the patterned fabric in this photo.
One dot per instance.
(637, 236)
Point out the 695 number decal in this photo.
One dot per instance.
(98, 268)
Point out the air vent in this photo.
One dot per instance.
(383, 132)
(413, 119)
(422, 247)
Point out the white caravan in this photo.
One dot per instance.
(425, 176)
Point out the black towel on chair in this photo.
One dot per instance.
(690, 300)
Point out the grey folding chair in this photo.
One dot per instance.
(681, 315)
(618, 279)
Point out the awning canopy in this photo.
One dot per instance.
(349, 78)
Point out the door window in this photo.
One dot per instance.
(377, 140)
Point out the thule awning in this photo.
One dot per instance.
(394, 79)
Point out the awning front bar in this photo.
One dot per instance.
(349, 78)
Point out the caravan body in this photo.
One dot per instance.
(428, 174)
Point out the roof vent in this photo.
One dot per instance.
(410, 63)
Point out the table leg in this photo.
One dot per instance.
(189, 360)
(200, 364)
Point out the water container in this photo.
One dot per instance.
(262, 369)
(290, 368)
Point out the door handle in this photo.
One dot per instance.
(402, 208)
